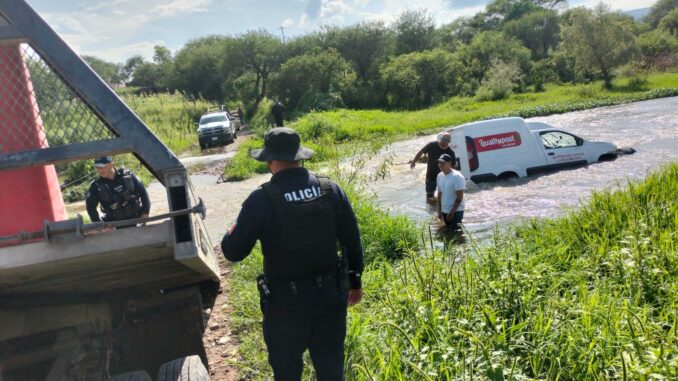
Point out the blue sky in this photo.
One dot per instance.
(117, 29)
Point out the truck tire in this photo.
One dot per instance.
(202, 146)
(188, 368)
(139, 375)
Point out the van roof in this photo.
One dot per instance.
(503, 121)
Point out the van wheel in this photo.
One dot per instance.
(507, 176)
(188, 368)
(202, 146)
(139, 375)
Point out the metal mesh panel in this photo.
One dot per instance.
(37, 109)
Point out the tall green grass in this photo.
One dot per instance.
(592, 295)
(344, 127)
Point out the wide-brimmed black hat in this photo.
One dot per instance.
(282, 143)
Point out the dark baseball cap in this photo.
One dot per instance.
(282, 143)
(102, 161)
(445, 157)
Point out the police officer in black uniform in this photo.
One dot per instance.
(119, 193)
(277, 110)
(313, 259)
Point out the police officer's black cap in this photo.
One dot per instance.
(282, 143)
(102, 161)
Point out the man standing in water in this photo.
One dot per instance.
(433, 150)
(450, 185)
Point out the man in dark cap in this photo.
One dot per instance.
(313, 259)
(433, 150)
(119, 193)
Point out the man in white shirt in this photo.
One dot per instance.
(450, 187)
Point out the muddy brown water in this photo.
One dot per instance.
(650, 127)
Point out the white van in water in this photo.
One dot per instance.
(511, 147)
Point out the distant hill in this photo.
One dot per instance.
(638, 13)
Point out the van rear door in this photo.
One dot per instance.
(458, 145)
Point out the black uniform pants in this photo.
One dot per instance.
(313, 317)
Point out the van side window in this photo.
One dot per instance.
(473, 162)
(558, 139)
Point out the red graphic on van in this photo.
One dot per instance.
(499, 141)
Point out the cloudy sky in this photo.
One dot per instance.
(117, 29)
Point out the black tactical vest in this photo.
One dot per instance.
(119, 205)
(304, 234)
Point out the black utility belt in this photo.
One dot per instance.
(298, 286)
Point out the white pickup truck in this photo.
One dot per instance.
(511, 147)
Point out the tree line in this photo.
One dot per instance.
(512, 46)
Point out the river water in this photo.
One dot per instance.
(650, 127)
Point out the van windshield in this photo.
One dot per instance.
(212, 119)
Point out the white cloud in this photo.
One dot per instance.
(624, 5)
(287, 23)
(121, 53)
(180, 7)
(94, 29)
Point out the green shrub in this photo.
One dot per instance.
(262, 119)
(501, 79)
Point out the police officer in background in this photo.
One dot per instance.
(119, 193)
(277, 110)
(302, 221)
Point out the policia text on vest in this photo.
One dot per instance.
(313, 258)
(118, 192)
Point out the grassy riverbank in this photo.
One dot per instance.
(330, 132)
(591, 295)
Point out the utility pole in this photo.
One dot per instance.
(282, 30)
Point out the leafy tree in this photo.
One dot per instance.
(542, 72)
(670, 22)
(108, 71)
(414, 31)
(502, 79)
(261, 53)
(146, 74)
(130, 66)
(597, 40)
(314, 76)
(537, 30)
(660, 9)
(421, 78)
(657, 43)
(485, 47)
(196, 67)
(362, 44)
(161, 55)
